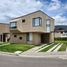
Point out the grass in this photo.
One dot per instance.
(63, 47)
(15, 47)
(55, 48)
(47, 48)
(60, 41)
(1, 43)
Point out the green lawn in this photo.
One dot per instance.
(60, 41)
(63, 47)
(15, 47)
(1, 43)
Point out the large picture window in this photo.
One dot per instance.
(13, 25)
(37, 21)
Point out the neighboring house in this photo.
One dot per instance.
(34, 28)
(4, 32)
(60, 31)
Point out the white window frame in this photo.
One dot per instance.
(30, 37)
(48, 25)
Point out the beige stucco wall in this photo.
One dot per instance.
(36, 38)
(16, 39)
(51, 37)
(4, 28)
(28, 27)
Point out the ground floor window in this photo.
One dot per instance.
(29, 36)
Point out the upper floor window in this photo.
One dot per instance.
(48, 25)
(37, 21)
(23, 20)
(13, 24)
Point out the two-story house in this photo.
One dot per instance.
(4, 32)
(34, 28)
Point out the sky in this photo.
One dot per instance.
(14, 8)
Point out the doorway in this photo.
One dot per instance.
(45, 38)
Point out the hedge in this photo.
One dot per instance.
(62, 39)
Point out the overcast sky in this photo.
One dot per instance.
(14, 8)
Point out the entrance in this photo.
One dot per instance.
(45, 37)
(4, 37)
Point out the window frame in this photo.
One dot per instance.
(29, 37)
(40, 22)
(15, 24)
(48, 25)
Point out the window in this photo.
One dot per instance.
(29, 36)
(15, 35)
(37, 21)
(20, 38)
(13, 24)
(48, 25)
(23, 20)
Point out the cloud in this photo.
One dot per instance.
(14, 8)
(60, 19)
(57, 10)
(54, 5)
(65, 6)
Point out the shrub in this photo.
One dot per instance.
(61, 39)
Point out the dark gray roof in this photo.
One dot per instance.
(61, 27)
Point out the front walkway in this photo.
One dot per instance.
(34, 52)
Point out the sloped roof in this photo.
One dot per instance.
(30, 14)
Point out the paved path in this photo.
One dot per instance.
(33, 50)
(56, 50)
(53, 48)
(44, 47)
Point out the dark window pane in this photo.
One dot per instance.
(37, 21)
(23, 20)
(13, 24)
(27, 37)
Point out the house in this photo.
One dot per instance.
(4, 32)
(34, 28)
(60, 31)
